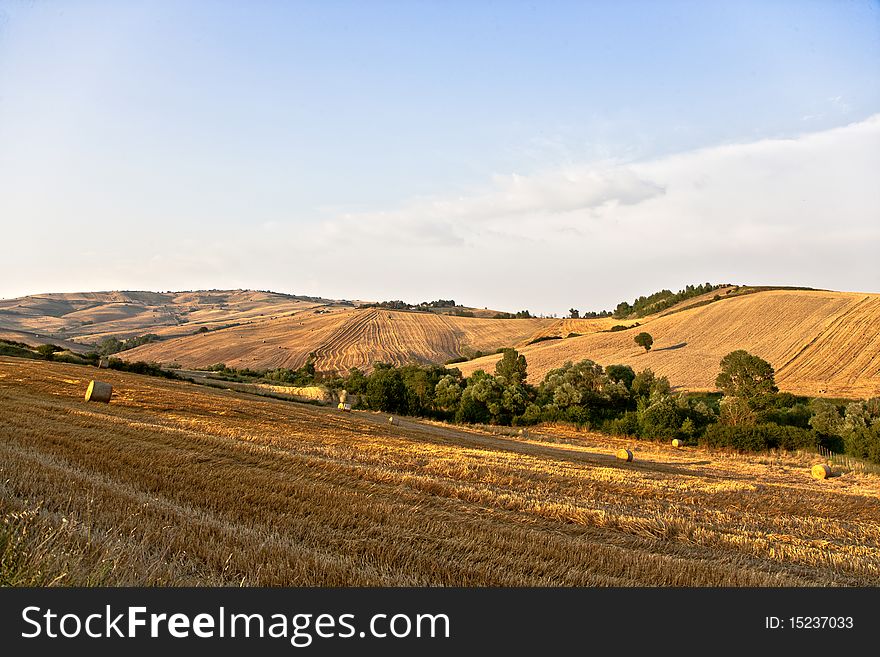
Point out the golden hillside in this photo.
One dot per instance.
(86, 317)
(343, 339)
(820, 342)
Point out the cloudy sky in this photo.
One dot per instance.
(504, 154)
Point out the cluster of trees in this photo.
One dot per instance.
(521, 314)
(661, 300)
(397, 304)
(749, 414)
(645, 305)
(111, 345)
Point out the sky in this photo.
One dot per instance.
(508, 155)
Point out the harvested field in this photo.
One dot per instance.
(173, 483)
(820, 343)
(343, 339)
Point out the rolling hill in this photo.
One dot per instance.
(86, 317)
(820, 343)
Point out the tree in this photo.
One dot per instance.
(621, 374)
(386, 390)
(644, 340)
(512, 366)
(574, 313)
(48, 349)
(647, 385)
(746, 376)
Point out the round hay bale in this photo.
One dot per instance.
(393, 421)
(677, 442)
(625, 455)
(820, 471)
(344, 407)
(98, 391)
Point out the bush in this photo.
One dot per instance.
(759, 437)
(626, 425)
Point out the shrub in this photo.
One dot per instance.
(626, 425)
(759, 437)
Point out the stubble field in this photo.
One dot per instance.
(177, 484)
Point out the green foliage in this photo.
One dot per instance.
(621, 374)
(574, 313)
(662, 419)
(826, 420)
(512, 366)
(759, 437)
(111, 345)
(646, 385)
(386, 391)
(748, 377)
(46, 350)
(544, 338)
(660, 301)
(644, 340)
(140, 367)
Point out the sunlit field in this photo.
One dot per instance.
(177, 484)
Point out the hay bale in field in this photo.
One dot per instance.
(393, 421)
(344, 407)
(625, 455)
(820, 471)
(677, 442)
(98, 391)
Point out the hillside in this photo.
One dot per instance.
(820, 343)
(344, 339)
(84, 318)
(176, 484)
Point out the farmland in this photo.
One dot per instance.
(173, 483)
(820, 343)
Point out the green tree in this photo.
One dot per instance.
(447, 393)
(512, 366)
(48, 349)
(647, 385)
(748, 377)
(621, 374)
(574, 313)
(644, 340)
(386, 390)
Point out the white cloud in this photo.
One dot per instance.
(803, 211)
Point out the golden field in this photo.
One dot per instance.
(820, 343)
(344, 339)
(86, 317)
(173, 483)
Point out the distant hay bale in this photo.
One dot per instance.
(625, 455)
(677, 442)
(98, 391)
(821, 471)
(344, 407)
(393, 421)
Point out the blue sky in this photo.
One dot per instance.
(500, 153)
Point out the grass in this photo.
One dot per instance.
(177, 484)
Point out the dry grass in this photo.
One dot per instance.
(821, 343)
(173, 483)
